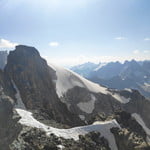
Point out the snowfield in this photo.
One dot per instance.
(102, 127)
(67, 79)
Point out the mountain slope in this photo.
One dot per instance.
(130, 74)
(32, 76)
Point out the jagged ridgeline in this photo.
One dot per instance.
(46, 107)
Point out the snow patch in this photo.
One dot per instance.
(89, 106)
(147, 84)
(129, 90)
(102, 127)
(61, 147)
(141, 122)
(82, 117)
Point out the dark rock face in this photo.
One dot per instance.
(139, 105)
(6, 85)
(9, 129)
(126, 121)
(33, 78)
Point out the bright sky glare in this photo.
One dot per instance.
(69, 32)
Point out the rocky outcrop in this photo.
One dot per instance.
(127, 140)
(6, 85)
(32, 139)
(139, 105)
(131, 136)
(33, 77)
(9, 128)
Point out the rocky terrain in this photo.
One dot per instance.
(9, 126)
(130, 136)
(48, 107)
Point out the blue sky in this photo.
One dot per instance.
(69, 32)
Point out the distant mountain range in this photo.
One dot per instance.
(130, 74)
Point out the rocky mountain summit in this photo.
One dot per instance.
(49, 107)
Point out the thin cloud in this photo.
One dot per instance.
(136, 51)
(7, 44)
(147, 39)
(146, 51)
(120, 38)
(53, 44)
(72, 61)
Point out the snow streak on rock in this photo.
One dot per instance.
(120, 98)
(19, 103)
(141, 122)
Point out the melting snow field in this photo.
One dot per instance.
(67, 79)
(103, 127)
